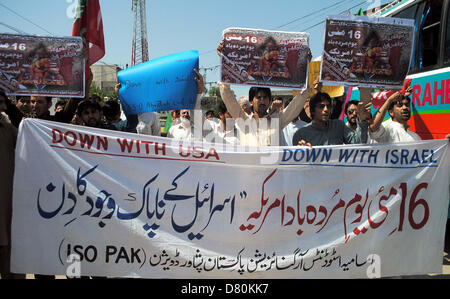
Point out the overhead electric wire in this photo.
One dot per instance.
(12, 28)
(310, 14)
(348, 9)
(25, 19)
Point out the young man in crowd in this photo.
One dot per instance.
(265, 132)
(395, 129)
(351, 109)
(112, 111)
(23, 104)
(325, 131)
(90, 113)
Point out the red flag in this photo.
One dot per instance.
(89, 25)
(378, 98)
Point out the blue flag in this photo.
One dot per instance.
(165, 83)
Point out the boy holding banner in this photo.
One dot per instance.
(325, 131)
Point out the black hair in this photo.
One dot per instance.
(83, 105)
(111, 108)
(61, 103)
(3, 94)
(316, 99)
(254, 90)
(221, 108)
(352, 102)
(391, 105)
(95, 97)
(210, 112)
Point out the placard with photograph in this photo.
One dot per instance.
(367, 51)
(265, 58)
(42, 65)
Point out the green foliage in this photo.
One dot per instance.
(214, 91)
(95, 89)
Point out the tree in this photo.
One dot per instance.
(95, 89)
(214, 92)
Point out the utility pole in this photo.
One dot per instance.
(205, 70)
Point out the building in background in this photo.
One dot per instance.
(105, 76)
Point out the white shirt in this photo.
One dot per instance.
(214, 133)
(149, 124)
(391, 131)
(287, 134)
(262, 132)
(180, 132)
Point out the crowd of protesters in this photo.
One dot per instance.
(302, 121)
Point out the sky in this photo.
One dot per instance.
(179, 25)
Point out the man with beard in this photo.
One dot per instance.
(351, 114)
(90, 113)
(184, 129)
(395, 129)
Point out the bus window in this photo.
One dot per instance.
(408, 13)
(430, 27)
(447, 40)
(412, 12)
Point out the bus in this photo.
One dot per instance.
(430, 63)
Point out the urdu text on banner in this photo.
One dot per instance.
(131, 205)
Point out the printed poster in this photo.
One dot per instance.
(265, 58)
(367, 51)
(42, 65)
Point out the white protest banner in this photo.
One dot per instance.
(367, 51)
(42, 65)
(128, 205)
(265, 58)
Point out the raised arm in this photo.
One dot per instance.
(200, 88)
(379, 116)
(230, 102)
(294, 108)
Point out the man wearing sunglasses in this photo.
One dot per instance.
(325, 131)
(351, 114)
(395, 129)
